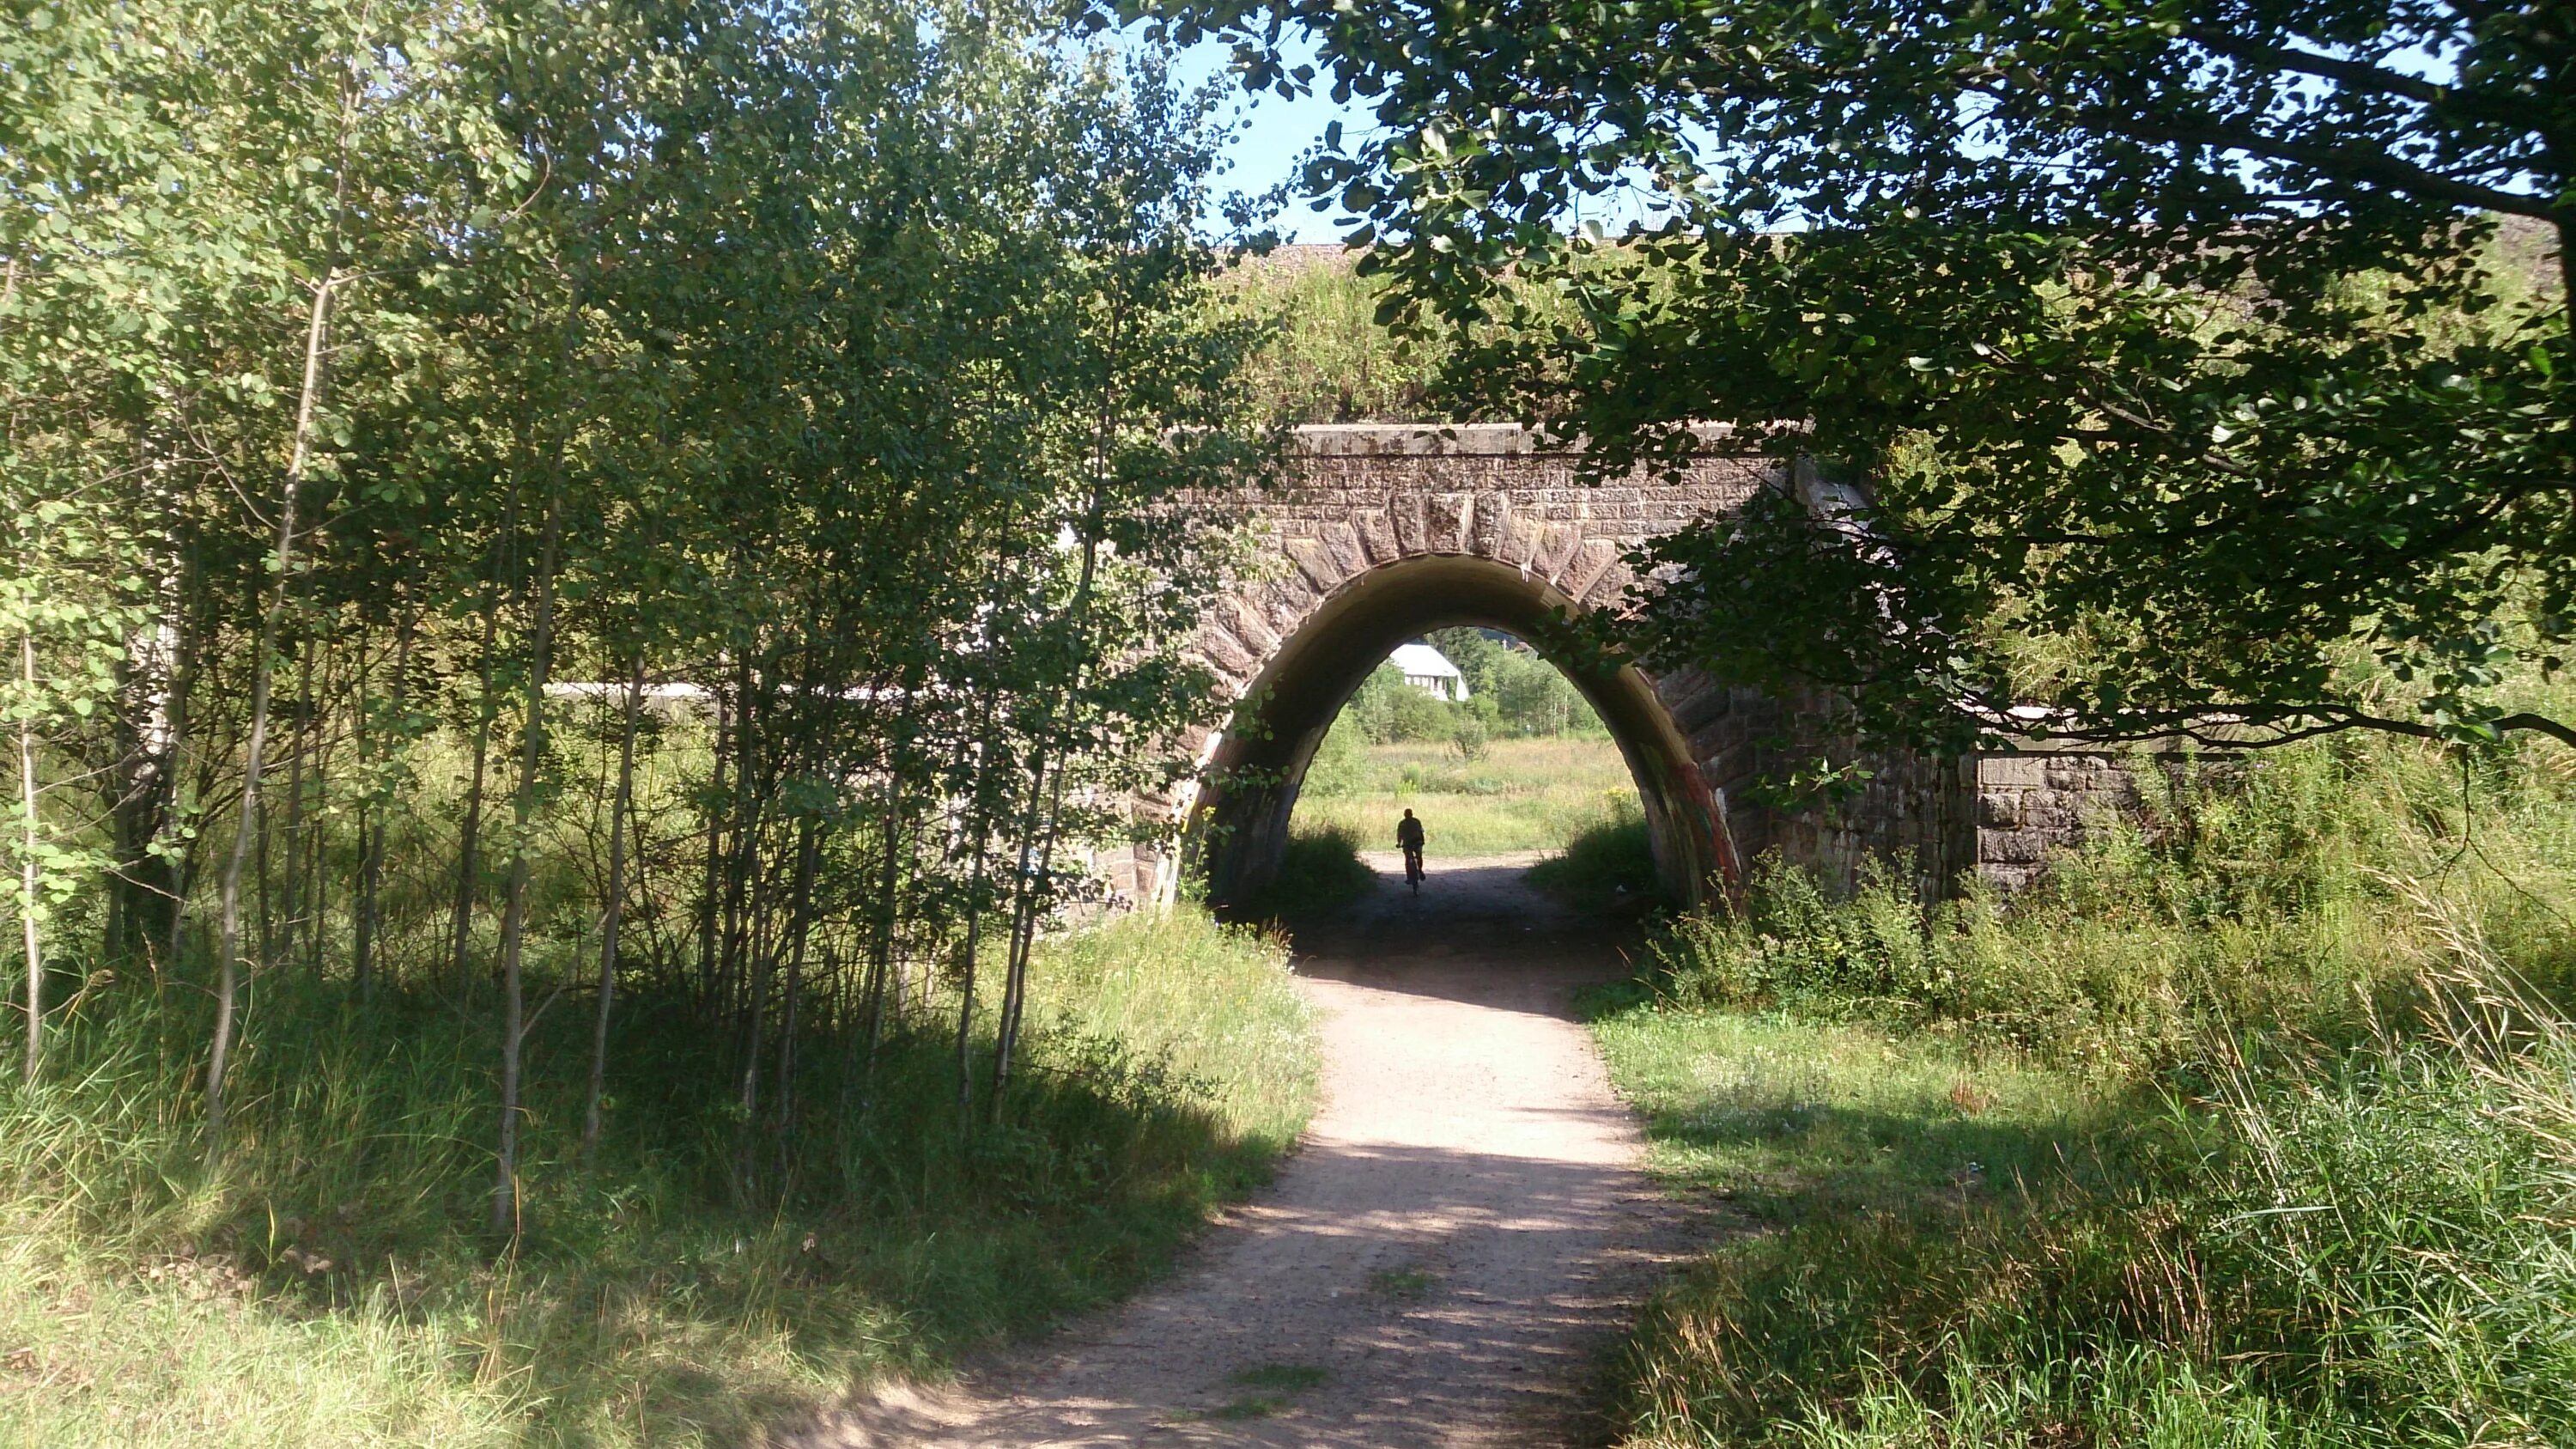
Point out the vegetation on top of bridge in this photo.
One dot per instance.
(2159, 343)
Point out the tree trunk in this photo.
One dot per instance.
(30, 875)
(734, 928)
(712, 883)
(183, 677)
(228, 947)
(371, 830)
(505, 1189)
(141, 887)
(974, 914)
(612, 914)
(881, 936)
(460, 926)
(800, 920)
(292, 906)
(753, 908)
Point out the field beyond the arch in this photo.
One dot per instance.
(1523, 794)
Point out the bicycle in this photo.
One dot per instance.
(1413, 870)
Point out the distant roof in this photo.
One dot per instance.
(1417, 661)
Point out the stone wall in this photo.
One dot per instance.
(2037, 802)
(1363, 495)
(1381, 531)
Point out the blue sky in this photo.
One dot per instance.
(1269, 135)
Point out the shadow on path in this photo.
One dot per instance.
(1462, 1232)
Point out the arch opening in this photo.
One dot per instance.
(1257, 767)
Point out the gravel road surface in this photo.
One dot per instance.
(1443, 1262)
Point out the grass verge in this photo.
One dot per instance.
(2251, 1133)
(328, 1286)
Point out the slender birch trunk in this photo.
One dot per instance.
(371, 866)
(974, 913)
(255, 752)
(30, 876)
(514, 911)
(1040, 832)
(460, 921)
(1025, 920)
(881, 938)
(711, 882)
(800, 920)
(183, 678)
(611, 914)
(293, 903)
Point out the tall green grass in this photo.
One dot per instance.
(1608, 868)
(2255, 1126)
(2271, 893)
(1319, 872)
(1523, 795)
(329, 1284)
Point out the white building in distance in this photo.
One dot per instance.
(1430, 671)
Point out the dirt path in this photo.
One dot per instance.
(1461, 1233)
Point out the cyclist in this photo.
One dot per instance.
(1408, 838)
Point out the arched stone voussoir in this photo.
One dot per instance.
(1386, 531)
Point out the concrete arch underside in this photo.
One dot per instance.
(1251, 781)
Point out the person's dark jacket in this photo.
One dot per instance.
(1408, 834)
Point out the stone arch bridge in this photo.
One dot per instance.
(1382, 531)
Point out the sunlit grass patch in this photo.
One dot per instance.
(1524, 795)
(332, 1286)
(1402, 1284)
(1287, 1377)
(2248, 1129)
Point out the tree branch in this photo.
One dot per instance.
(2357, 74)
(2352, 164)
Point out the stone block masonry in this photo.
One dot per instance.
(1379, 532)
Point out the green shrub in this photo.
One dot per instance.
(1470, 738)
(1319, 871)
(2254, 893)
(1792, 944)
(2320, 1191)
(1387, 711)
(1607, 868)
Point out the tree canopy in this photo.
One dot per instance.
(780, 420)
(2158, 368)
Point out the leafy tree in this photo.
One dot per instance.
(2159, 368)
(1389, 711)
(511, 498)
(1511, 686)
